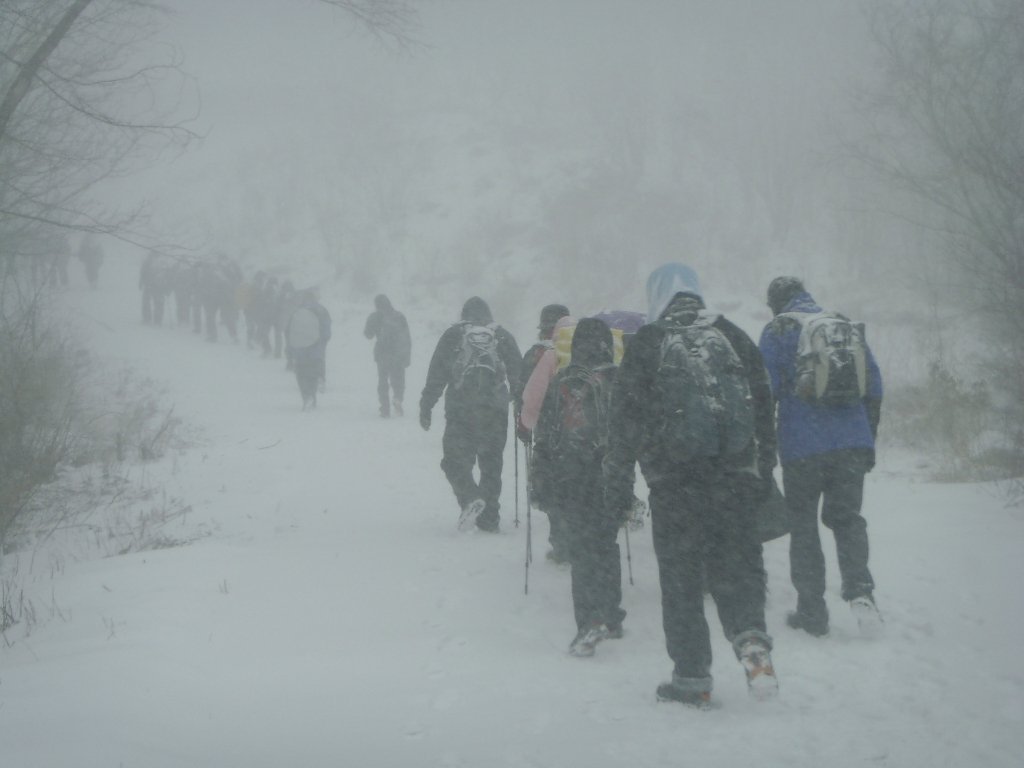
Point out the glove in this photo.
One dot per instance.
(635, 516)
(524, 434)
(425, 419)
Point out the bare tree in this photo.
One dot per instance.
(948, 131)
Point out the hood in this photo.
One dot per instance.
(665, 283)
(382, 303)
(802, 302)
(591, 343)
(475, 310)
(550, 315)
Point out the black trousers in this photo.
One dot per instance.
(596, 564)
(308, 362)
(836, 480)
(707, 523)
(390, 383)
(476, 438)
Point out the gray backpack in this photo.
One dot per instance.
(831, 359)
(702, 392)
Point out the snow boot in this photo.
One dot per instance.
(470, 513)
(757, 663)
(869, 620)
(813, 627)
(586, 640)
(686, 694)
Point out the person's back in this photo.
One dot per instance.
(475, 365)
(392, 351)
(703, 499)
(826, 446)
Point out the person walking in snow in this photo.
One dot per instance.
(542, 371)
(549, 315)
(392, 352)
(475, 366)
(692, 404)
(570, 441)
(307, 334)
(826, 446)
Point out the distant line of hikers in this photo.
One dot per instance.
(697, 404)
(684, 393)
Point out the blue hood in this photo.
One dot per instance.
(802, 302)
(667, 281)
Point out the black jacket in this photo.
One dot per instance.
(634, 422)
(391, 330)
(440, 372)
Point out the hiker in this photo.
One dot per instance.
(391, 351)
(570, 441)
(155, 284)
(549, 315)
(307, 333)
(90, 253)
(476, 366)
(532, 400)
(692, 404)
(827, 431)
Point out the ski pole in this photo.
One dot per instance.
(529, 527)
(629, 555)
(515, 448)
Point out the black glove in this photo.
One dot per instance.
(425, 419)
(524, 434)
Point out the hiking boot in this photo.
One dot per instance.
(487, 525)
(815, 627)
(557, 555)
(757, 663)
(586, 640)
(869, 620)
(615, 632)
(672, 691)
(397, 405)
(470, 513)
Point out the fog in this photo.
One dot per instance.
(508, 142)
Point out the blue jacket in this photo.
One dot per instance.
(807, 429)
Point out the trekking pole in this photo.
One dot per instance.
(515, 447)
(529, 528)
(629, 555)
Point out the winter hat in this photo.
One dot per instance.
(665, 283)
(550, 315)
(781, 291)
(475, 310)
(592, 343)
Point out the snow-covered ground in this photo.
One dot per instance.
(329, 613)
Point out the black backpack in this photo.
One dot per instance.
(579, 420)
(702, 394)
(478, 367)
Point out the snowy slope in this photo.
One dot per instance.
(330, 614)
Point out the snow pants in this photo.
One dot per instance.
(707, 522)
(390, 383)
(596, 564)
(836, 480)
(308, 362)
(476, 437)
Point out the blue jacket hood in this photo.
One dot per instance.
(802, 302)
(665, 283)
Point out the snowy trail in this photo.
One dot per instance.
(334, 616)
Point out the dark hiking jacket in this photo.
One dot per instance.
(634, 428)
(440, 374)
(393, 345)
